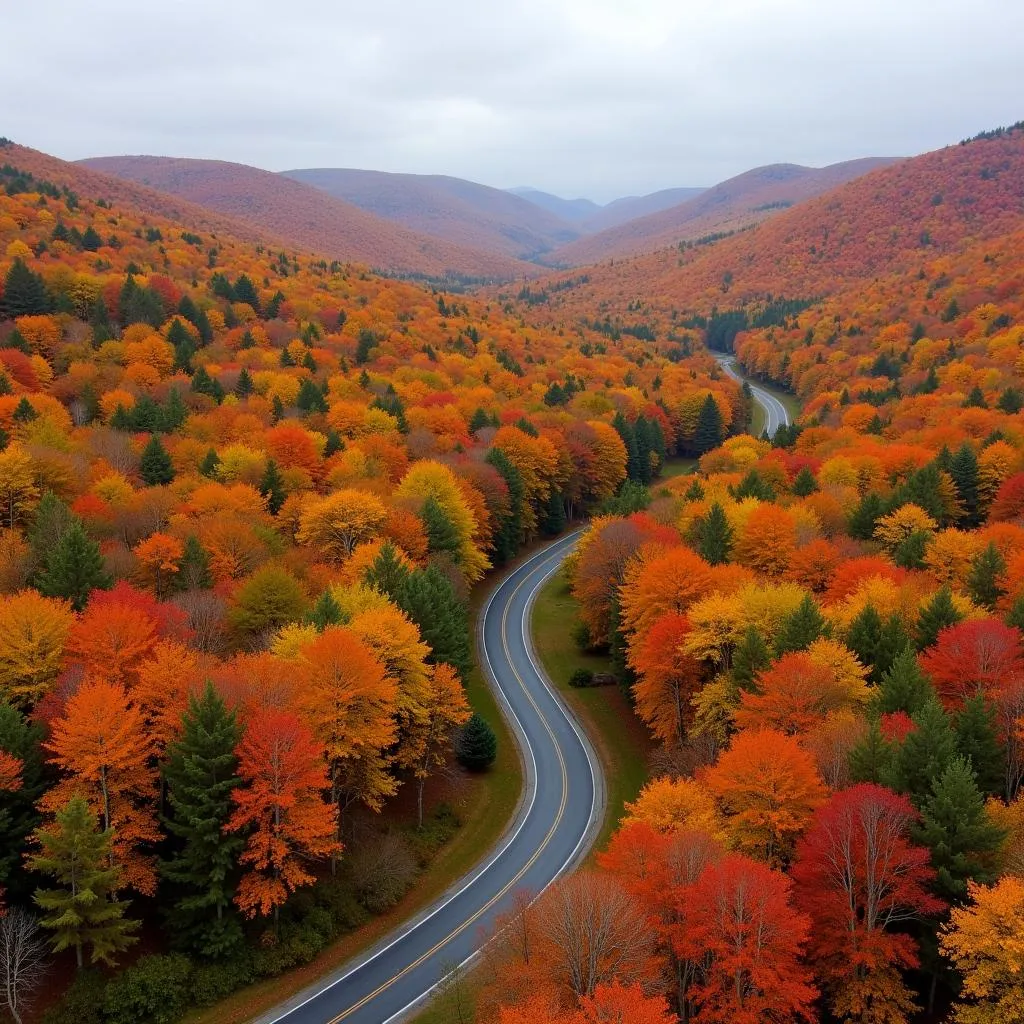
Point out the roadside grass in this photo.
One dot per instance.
(484, 804)
(676, 466)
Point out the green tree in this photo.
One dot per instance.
(210, 464)
(24, 293)
(193, 567)
(477, 746)
(155, 466)
(710, 429)
(326, 612)
(956, 829)
(272, 487)
(904, 687)
(509, 533)
(876, 643)
(387, 573)
(244, 385)
(753, 485)
(74, 568)
(429, 599)
(714, 536)
(934, 617)
(865, 516)
(964, 471)
(81, 911)
(977, 738)
(268, 599)
(53, 518)
(18, 816)
(800, 628)
(750, 657)
(986, 582)
(925, 753)
(441, 534)
(871, 758)
(804, 483)
(200, 773)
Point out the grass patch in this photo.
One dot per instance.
(676, 466)
(485, 805)
(620, 738)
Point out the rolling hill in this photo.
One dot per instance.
(628, 208)
(306, 217)
(575, 211)
(736, 203)
(459, 211)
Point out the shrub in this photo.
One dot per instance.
(82, 1002)
(213, 982)
(477, 746)
(382, 869)
(582, 677)
(156, 989)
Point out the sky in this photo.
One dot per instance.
(595, 98)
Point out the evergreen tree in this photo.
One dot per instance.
(272, 487)
(310, 398)
(24, 293)
(326, 612)
(958, 832)
(277, 410)
(174, 412)
(244, 385)
(904, 687)
(750, 657)
(977, 738)
(81, 910)
(910, 552)
(628, 435)
(477, 746)
(53, 518)
(210, 464)
(804, 483)
(876, 643)
(155, 466)
(479, 421)
(964, 471)
(865, 516)
(1015, 616)
(441, 535)
(800, 628)
(924, 754)
(871, 758)
(334, 443)
(74, 568)
(553, 522)
(200, 774)
(986, 580)
(710, 429)
(23, 412)
(714, 536)
(387, 573)
(934, 617)
(194, 567)
(509, 532)
(18, 816)
(1011, 401)
(429, 599)
(246, 292)
(753, 485)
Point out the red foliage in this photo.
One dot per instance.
(978, 655)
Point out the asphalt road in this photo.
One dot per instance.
(554, 825)
(775, 414)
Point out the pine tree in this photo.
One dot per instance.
(800, 628)
(934, 617)
(910, 552)
(710, 429)
(479, 421)
(987, 578)
(193, 567)
(553, 521)
(24, 293)
(441, 535)
(904, 687)
(871, 758)
(74, 568)
(753, 485)
(18, 816)
(477, 746)
(509, 532)
(81, 911)
(977, 738)
(750, 657)
(958, 832)
(429, 599)
(200, 774)
(24, 412)
(244, 385)
(628, 435)
(326, 612)
(155, 466)
(804, 483)
(272, 487)
(714, 536)
(964, 471)
(924, 754)
(277, 410)
(210, 464)
(310, 398)
(53, 518)
(387, 573)
(865, 516)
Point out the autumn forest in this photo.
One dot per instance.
(254, 491)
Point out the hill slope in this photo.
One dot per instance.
(306, 217)
(736, 203)
(628, 208)
(573, 210)
(457, 210)
(897, 218)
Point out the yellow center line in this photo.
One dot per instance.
(540, 849)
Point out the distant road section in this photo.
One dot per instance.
(775, 414)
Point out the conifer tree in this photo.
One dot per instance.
(210, 464)
(272, 487)
(194, 566)
(753, 485)
(477, 746)
(964, 470)
(277, 410)
(804, 483)
(958, 831)
(750, 657)
(904, 687)
(81, 910)
(714, 536)
(200, 773)
(986, 582)
(334, 443)
(871, 758)
(24, 412)
(924, 754)
(155, 466)
(977, 738)
(800, 628)
(553, 522)
(19, 738)
(934, 617)
(866, 515)
(244, 384)
(509, 532)
(326, 612)
(74, 568)
(387, 573)
(441, 534)
(876, 643)
(428, 598)
(710, 429)
(53, 518)
(24, 293)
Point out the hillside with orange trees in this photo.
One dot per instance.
(311, 219)
(893, 219)
(730, 206)
(233, 478)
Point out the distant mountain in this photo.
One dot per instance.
(618, 211)
(309, 218)
(747, 199)
(459, 211)
(575, 211)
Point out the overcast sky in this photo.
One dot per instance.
(580, 97)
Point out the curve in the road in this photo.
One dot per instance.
(557, 819)
(775, 413)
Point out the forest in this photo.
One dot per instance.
(247, 494)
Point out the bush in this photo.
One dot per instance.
(477, 746)
(436, 831)
(382, 869)
(581, 636)
(213, 982)
(156, 989)
(335, 895)
(582, 677)
(82, 1002)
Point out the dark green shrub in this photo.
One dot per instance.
(82, 1003)
(213, 982)
(156, 989)
(582, 677)
(477, 746)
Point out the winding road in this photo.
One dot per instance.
(558, 817)
(775, 413)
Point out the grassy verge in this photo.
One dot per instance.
(485, 805)
(676, 466)
(619, 737)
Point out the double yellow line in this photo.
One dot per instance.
(476, 915)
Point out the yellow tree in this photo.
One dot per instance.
(159, 555)
(670, 805)
(33, 631)
(18, 491)
(337, 523)
(892, 530)
(985, 941)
